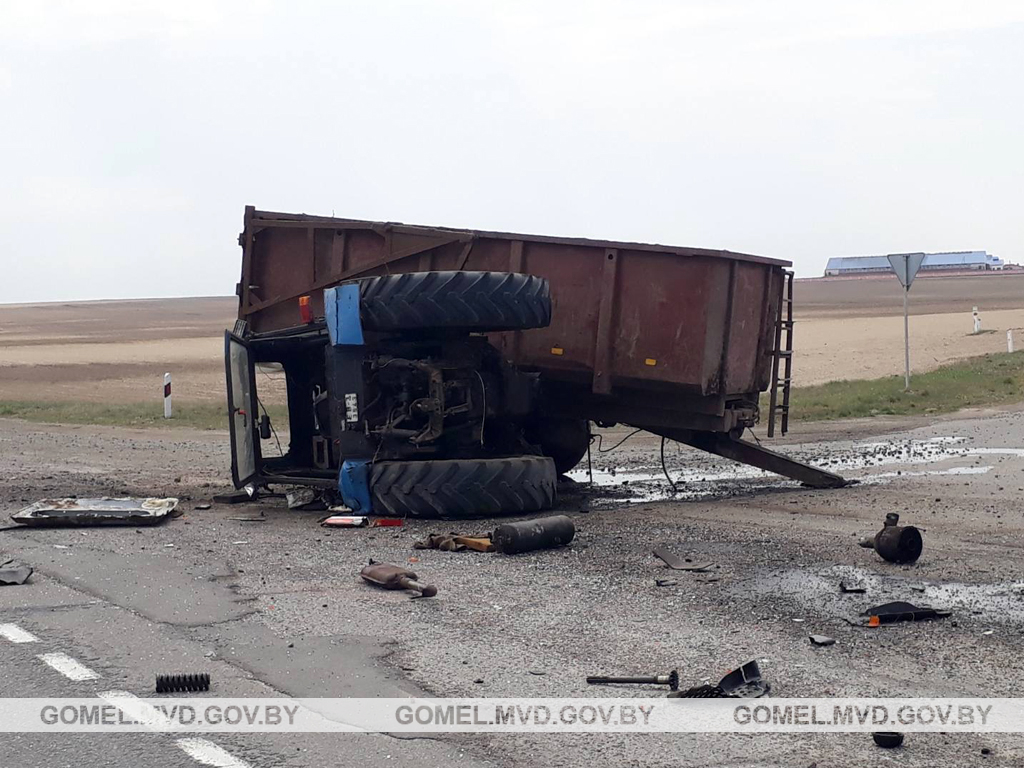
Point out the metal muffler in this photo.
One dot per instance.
(896, 543)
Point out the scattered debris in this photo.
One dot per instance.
(896, 543)
(888, 739)
(851, 588)
(14, 572)
(890, 613)
(665, 582)
(305, 498)
(102, 511)
(677, 563)
(260, 519)
(455, 543)
(182, 683)
(359, 521)
(346, 521)
(745, 682)
(742, 683)
(701, 692)
(671, 680)
(202, 507)
(822, 640)
(529, 535)
(395, 577)
(537, 672)
(234, 497)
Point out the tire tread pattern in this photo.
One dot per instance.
(470, 301)
(463, 488)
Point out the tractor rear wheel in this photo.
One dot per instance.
(463, 488)
(473, 302)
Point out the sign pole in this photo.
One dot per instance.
(905, 265)
(906, 337)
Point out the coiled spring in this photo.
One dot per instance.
(181, 683)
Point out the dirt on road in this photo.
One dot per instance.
(538, 624)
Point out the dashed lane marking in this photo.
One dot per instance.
(16, 634)
(137, 709)
(208, 753)
(67, 666)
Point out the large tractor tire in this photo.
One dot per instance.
(462, 488)
(474, 302)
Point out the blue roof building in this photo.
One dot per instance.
(951, 260)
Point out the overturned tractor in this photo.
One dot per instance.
(417, 386)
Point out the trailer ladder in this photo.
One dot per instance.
(783, 352)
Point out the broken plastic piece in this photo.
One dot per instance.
(395, 577)
(102, 511)
(851, 588)
(14, 572)
(346, 521)
(742, 683)
(677, 563)
(890, 613)
(234, 497)
(745, 682)
(822, 640)
(305, 498)
(388, 522)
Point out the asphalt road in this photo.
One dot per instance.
(274, 608)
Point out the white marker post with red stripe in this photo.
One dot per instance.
(167, 395)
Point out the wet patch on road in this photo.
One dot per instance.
(704, 477)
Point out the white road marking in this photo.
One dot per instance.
(16, 634)
(137, 709)
(208, 753)
(67, 666)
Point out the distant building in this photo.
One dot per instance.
(933, 262)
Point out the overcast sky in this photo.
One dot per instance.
(132, 134)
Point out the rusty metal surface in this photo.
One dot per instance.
(627, 317)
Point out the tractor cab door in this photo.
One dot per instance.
(242, 415)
